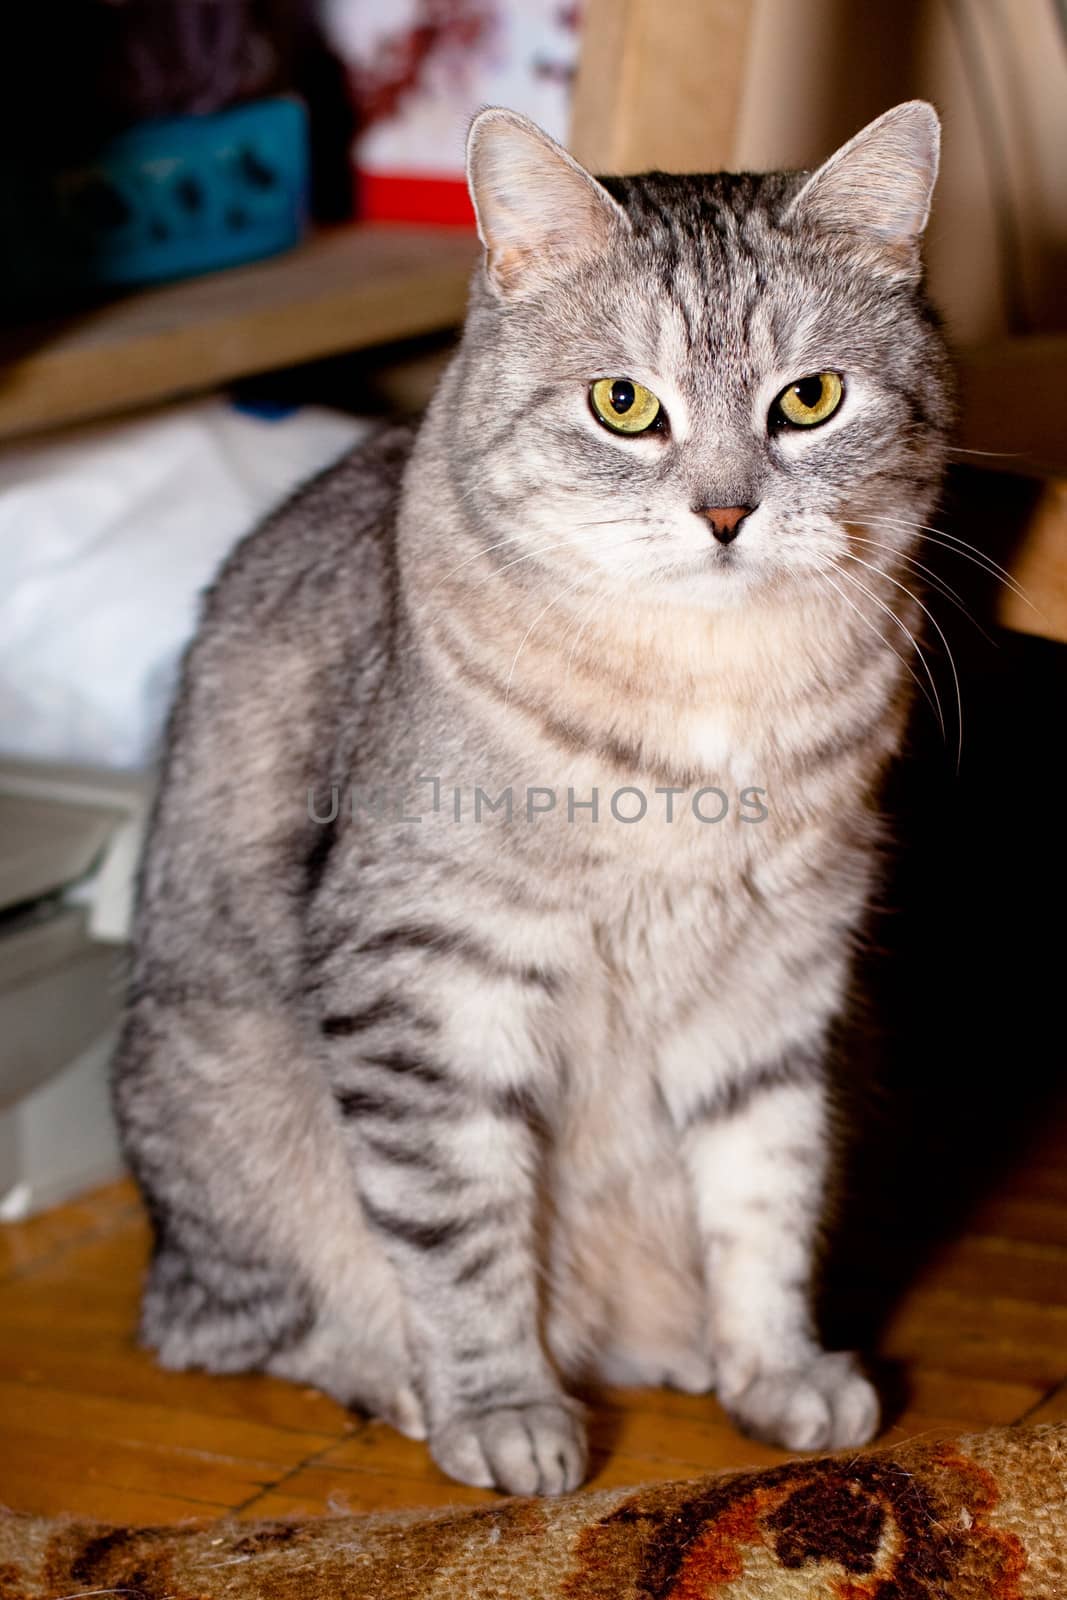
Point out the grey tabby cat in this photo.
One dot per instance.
(501, 1062)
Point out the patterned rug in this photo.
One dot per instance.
(982, 1517)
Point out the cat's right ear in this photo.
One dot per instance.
(539, 212)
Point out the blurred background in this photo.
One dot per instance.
(235, 232)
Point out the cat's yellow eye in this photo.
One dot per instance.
(809, 401)
(623, 405)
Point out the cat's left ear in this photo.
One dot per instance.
(878, 185)
(539, 212)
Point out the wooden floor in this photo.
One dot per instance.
(89, 1425)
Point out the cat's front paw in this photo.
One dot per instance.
(824, 1404)
(523, 1449)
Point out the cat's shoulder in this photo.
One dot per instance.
(332, 533)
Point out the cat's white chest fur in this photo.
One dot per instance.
(710, 744)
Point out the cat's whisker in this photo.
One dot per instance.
(941, 635)
(605, 543)
(930, 577)
(935, 708)
(528, 555)
(883, 640)
(472, 493)
(900, 555)
(587, 618)
(968, 551)
(920, 653)
(1000, 455)
(483, 550)
(583, 620)
(606, 522)
(532, 555)
(599, 593)
(522, 642)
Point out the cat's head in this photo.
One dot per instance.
(692, 383)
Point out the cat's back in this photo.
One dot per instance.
(292, 635)
(322, 554)
(302, 604)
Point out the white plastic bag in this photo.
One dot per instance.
(107, 537)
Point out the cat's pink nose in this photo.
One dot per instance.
(725, 520)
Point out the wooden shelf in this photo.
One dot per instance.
(344, 289)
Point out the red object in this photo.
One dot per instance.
(400, 197)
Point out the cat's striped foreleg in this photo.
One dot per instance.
(446, 1160)
(757, 1153)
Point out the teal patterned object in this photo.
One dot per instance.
(163, 200)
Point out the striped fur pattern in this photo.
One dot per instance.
(439, 1107)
